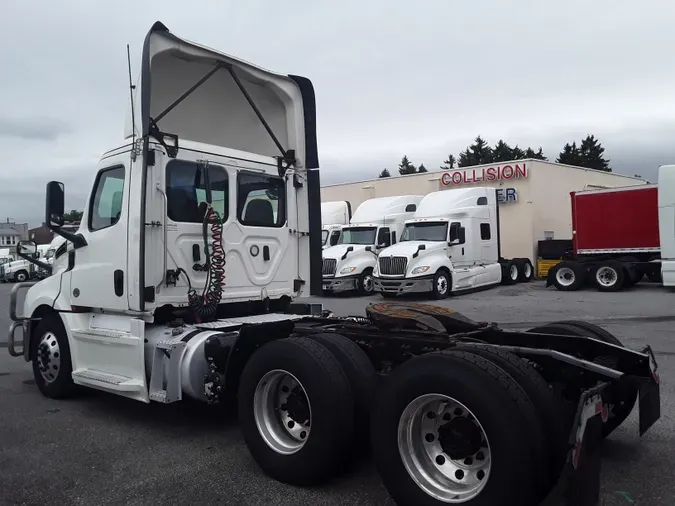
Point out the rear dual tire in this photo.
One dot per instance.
(304, 406)
(427, 452)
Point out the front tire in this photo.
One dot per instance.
(366, 285)
(50, 357)
(453, 427)
(296, 411)
(441, 285)
(21, 276)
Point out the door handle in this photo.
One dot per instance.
(118, 282)
(266, 253)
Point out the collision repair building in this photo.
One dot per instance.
(534, 196)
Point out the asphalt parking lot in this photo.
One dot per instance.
(101, 449)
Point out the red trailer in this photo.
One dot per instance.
(615, 237)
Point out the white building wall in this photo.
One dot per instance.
(537, 196)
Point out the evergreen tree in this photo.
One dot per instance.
(591, 152)
(570, 155)
(478, 153)
(539, 155)
(405, 167)
(517, 153)
(384, 173)
(502, 152)
(422, 168)
(449, 163)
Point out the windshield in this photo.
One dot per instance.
(425, 232)
(357, 235)
(324, 236)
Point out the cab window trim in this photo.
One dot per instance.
(92, 197)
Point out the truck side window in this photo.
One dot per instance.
(334, 237)
(383, 237)
(485, 231)
(106, 204)
(261, 200)
(186, 191)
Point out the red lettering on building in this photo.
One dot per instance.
(495, 173)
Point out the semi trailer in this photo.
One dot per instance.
(450, 245)
(186, 279)
(376, 225)
(333, 216)
(620, 236)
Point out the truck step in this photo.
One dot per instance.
(105, 335)
(159, 396)
(106, 380)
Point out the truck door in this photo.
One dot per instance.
(262, 255)
(99, 278)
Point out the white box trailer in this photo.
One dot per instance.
(203, 226)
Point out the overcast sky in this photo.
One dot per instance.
(391, 77)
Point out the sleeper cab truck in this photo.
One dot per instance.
(376, 224)
(450, 245)
(334, 215)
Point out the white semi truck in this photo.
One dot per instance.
(376, 224)
(451, 245)
(28, 266)
(334, 215)
(203, 225)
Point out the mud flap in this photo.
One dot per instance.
(581, 475)
(650, 395)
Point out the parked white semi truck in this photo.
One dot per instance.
(28, 266)
(333, 216)
(200, 229)
(451, 245)
(376, 224)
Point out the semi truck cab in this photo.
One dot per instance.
(334, 215)
(666, 203)
(376, 224)
(450, 245)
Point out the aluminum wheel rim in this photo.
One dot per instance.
(528, 270)
(606, 276)
(565, 276)
(368, 283)
(49, 357)
(442, 284)
(21, 277)
(424, 456)
(282, 412)
(513, 271)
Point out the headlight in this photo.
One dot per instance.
(347, 270)
(421, 269)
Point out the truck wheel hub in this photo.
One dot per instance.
(444, 448)
(459, 438)
(48, 357)
(565, 276)
(282, 412)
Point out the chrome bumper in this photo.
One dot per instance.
(341, 284)
(17, 322)
(403, 285)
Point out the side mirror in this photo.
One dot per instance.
(54, 205)
(368, 248)
(27, 247)
(462, 235)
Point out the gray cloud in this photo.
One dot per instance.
(44, 129)
(391, 77)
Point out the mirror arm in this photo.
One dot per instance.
(35, 261)
(77, 239)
